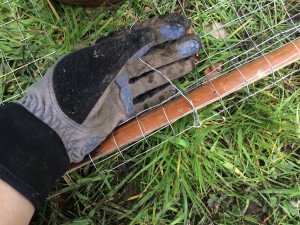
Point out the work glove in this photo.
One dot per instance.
(85, 95)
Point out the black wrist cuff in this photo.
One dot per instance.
(32, 155)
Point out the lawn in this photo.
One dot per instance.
(241, 166)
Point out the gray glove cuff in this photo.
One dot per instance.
(77, 139)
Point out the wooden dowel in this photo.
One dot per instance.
(200, 97)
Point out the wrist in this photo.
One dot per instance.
(12, 204)
(32, 154)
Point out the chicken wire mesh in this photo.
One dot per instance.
(233, 33)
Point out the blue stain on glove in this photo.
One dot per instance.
(172, 32)
(188, 48)
(126, 95)
(142, 52)
(91, 144)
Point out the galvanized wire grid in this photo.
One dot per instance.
(24, 59)
(223, 50)
(27, 51)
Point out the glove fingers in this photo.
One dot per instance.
(173, 18)
(162, 33)
(153, 97)
(154, 79)
(165, 54)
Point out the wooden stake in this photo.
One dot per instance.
(200, 97)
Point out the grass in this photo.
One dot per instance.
(240, 167)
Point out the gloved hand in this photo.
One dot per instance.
(85, 95)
